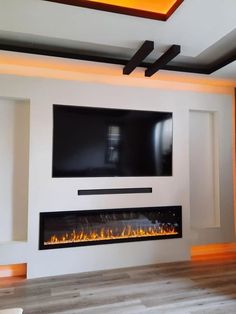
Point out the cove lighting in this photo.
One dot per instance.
(161, 6)
(158, 10)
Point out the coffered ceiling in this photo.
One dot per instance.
(205, 30)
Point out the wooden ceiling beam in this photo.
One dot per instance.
(170, 54)
(146, 48)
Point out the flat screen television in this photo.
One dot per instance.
(99, 142)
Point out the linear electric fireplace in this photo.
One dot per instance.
(90, 227)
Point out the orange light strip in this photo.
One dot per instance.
(12, 63)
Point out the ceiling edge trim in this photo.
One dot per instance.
(52, 51)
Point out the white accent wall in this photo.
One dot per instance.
(60, 194)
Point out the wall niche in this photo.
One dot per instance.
(14, 169)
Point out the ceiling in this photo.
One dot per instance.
(206, 30)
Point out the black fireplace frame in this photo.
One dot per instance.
(44, 215)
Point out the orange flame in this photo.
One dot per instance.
(108, 234)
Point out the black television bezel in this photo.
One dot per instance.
(115, 176)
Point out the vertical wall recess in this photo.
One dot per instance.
(204, 170)
(14, 164)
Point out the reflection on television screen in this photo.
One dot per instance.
(97, 142)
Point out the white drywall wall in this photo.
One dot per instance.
(52, 194)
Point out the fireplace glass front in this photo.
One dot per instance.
(91, 227)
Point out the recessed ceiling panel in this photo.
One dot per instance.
(158, 10)
(161, 6)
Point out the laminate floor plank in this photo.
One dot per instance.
(205, 285)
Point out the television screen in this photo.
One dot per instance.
(98, 142)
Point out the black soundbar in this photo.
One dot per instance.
(114, 191)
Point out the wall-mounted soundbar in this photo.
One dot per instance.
(114, 191)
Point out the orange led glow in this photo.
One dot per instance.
(160, 6)
(12, 63)
(208, 250)
(15, 270)
(109, 234)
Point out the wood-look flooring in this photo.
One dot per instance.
(203, 285)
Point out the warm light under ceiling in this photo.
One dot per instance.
(160, 6)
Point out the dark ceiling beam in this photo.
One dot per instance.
(76, 54)
(170, 54)
(146, 48)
